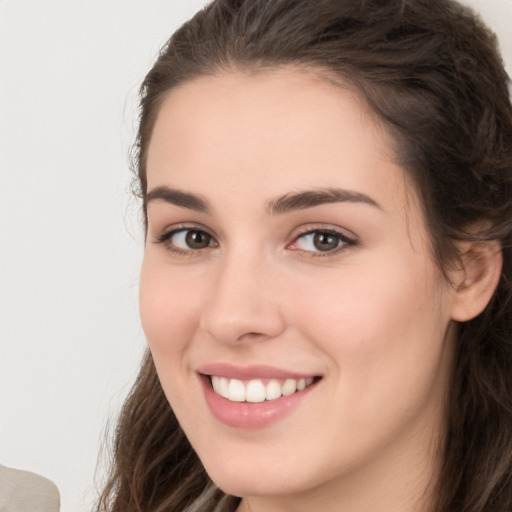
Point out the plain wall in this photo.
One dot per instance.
(71, 242)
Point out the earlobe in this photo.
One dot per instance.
(478, 278)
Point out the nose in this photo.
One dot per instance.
(244, 302)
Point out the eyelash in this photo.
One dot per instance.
(343, 241)
(165, 238)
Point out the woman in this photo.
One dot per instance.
(326, 282)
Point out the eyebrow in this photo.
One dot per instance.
(284, 204)
(312, 198)
(178, 198)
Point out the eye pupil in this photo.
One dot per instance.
(325, 241)
(197, 239)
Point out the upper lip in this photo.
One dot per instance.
(250, 372)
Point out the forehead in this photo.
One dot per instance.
(269, 132)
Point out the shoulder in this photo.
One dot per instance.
(24, 491)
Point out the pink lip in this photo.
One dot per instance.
(246, 415)
(249, 372)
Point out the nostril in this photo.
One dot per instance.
(253, 336)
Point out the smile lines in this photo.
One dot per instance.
(255, 390)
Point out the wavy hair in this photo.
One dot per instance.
(431, 70)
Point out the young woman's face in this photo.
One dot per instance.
(286, 249)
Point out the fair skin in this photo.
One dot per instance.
(342, 289)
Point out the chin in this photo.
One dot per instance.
(245, 478)
(244, 487)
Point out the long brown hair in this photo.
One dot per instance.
(431, 71)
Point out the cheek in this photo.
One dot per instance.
(382, 330)
(169, 308)
(386, 346)
(372, 306)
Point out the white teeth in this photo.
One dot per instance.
(289, 387)
(236, 391)
(215, 384)
(273, 390)
(255, 391)
(221, 386)
(224, 387)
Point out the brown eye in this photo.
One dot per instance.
(186, 239)
(325, 241)
(197, 239)
(322, 241)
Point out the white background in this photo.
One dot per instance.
(70, 243)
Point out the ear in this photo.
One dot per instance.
(477, 279)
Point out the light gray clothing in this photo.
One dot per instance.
(23, 491)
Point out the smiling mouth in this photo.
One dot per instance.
(258, 390)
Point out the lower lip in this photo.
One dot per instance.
(250, 415)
